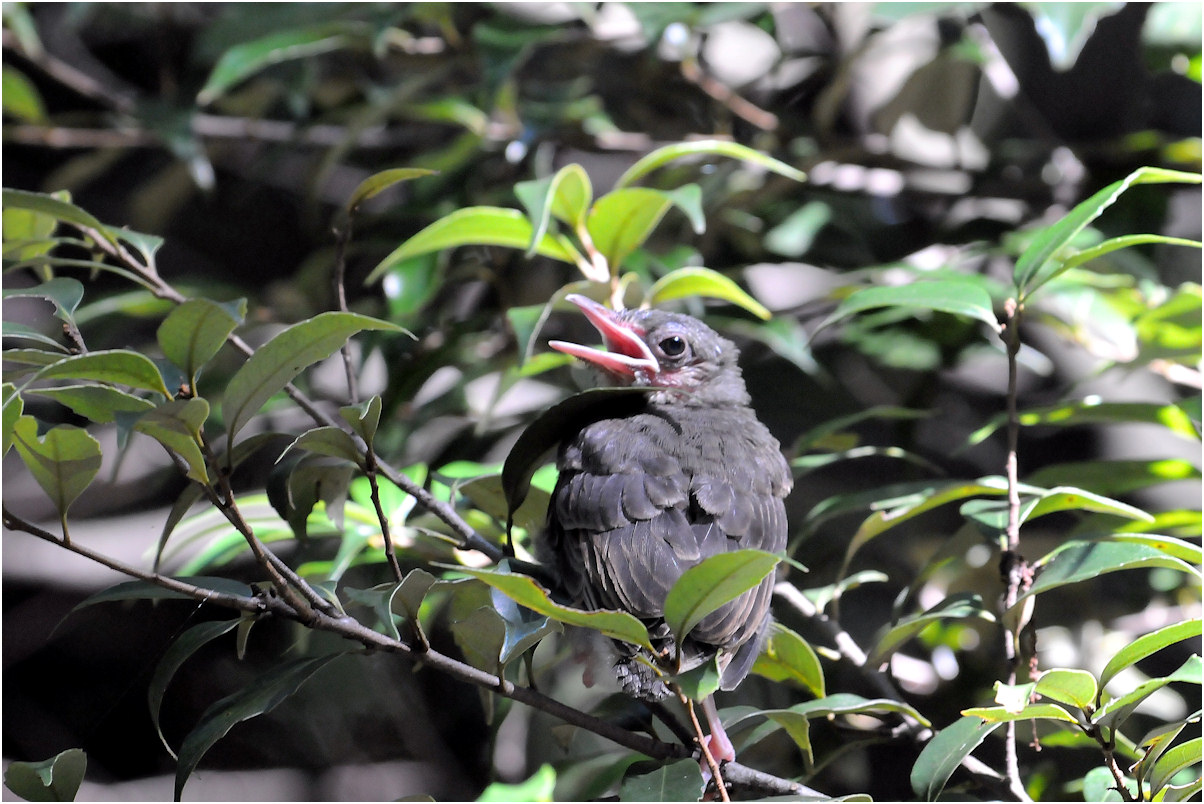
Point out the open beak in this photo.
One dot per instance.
(626, 354)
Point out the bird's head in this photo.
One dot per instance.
(678, 354)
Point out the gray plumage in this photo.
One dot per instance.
(643, 498)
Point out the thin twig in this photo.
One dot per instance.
(1012, 564)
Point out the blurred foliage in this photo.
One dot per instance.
(461, 168)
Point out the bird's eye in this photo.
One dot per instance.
(673, 346)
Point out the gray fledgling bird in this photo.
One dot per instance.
(644, 497)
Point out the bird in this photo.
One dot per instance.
(646, 495)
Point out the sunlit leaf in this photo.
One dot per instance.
(565, 195)
(702, 149)
(1095, 411)
(539, 787)
(477, 226)
(711, 583)
(622, 220)
(1039, 263)
(959, 298)
(20, 96)
(377, 183)
(1174, 760)
(1117, 710)
(1037, 711)
(786, 656)
(695, 281)
(277, 362)
(1147, 645)
(524, 590)
(262, 695)
(1077, 561)
(1069, 686)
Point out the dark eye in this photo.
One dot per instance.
(673, 346)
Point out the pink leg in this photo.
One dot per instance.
(718, 743)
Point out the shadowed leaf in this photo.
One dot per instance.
(262, 695)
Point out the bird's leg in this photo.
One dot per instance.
(718, 743)
(709, 763)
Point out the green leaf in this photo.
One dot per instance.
(1039, 263)
(677, 781)
(1174, 760)
(63, 462)
(1178, 548)
(945, 752)
(711, 583)
(622, 220)
(177, 426)
(145, 590)
(1094, 411)
(1117, 710)
(539, 787)
(116, 366)
(1077, 561)
(1147, 645)
(363, 418)
(332, 441)
(96, 402)
(54, 779)
(704, 148)
(477, 226)
(524, 590)
(566, 195)
(20, 97)
(696, 281)
(961, 298)
(55, 208)
(523, 627)
(14, 405)
(63, 292)
(557, 423)
(1115, 477)
(277, 362)
(960, 606)
(260, 696)
(786, 656)
(193, 332)
(187, 644)
(1037, 711)
(379, 182)
(1125, 241)
(844, 704)
(1069, 686)
(701, 681)
(244, 60)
